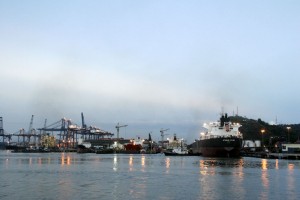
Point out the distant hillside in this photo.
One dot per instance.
(251, 130)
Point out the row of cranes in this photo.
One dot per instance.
(66, 130)
(20, 133)
(70, 133)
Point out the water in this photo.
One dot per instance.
(120, 176)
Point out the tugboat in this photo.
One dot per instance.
(176, 148)
(222, 139)
(85, 147)
(176, 152)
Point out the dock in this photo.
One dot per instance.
(290, 156)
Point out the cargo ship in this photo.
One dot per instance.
(222, 139)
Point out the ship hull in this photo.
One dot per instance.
(175, 154)
(219, 147)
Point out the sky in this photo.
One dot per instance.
(148, 64)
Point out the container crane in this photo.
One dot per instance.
(118, 126)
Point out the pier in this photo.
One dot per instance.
(290, 156)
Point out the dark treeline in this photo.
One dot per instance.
(252, 130)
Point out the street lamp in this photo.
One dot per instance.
(262, 136)
(288, 128)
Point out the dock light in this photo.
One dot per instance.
(262, 136)
(288, 128)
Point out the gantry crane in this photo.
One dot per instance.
(118, 126)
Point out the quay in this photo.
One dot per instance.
(289, 156)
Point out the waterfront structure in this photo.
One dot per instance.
(290, 148)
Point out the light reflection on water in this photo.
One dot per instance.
(65, 159)
(128, 176)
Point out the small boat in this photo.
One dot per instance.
(85, 147)
(176, 152)
(176, 147)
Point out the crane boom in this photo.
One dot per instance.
(45, 126)
(1, 126)
(118, 126)
(162, 135)
(82, 121)
(30, 125)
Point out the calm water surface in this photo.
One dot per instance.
(121, 176)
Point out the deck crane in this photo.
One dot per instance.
(162, 134)
(118, 126)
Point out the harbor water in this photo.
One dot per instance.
(137, 176)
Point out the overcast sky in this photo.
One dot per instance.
(149, 64)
